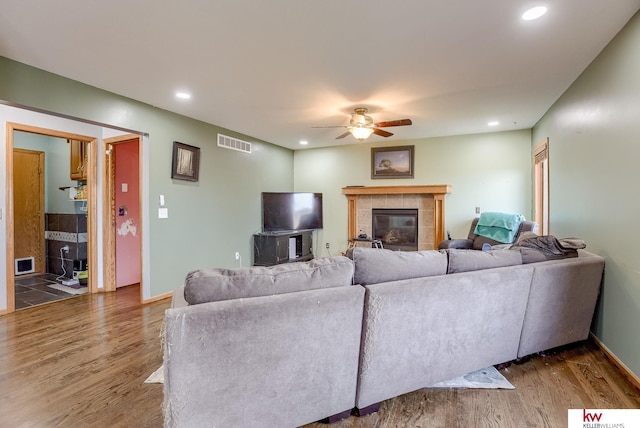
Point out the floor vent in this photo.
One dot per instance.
(25, 265)
(233, 144)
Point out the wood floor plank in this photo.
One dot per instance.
(546, 386)
(82, 362)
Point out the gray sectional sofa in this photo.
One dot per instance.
(272, 347)
(295, 343)
(474, 310)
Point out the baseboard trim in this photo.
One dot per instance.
(635, 380)
(159, 297)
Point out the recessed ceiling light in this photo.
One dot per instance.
(534, 13)
(493, 123)
(183, 95)
(303, 142)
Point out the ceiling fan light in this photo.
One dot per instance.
(361, 133)
(360, 118)
(357, 119)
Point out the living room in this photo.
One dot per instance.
(592, 130)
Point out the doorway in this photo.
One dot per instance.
(122, 212)
(35, 229)
(541, 186)
(29, 211)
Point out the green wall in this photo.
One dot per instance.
(594, 148)
(593, 130)
(209, 220)
(56, 168)
(491, 171)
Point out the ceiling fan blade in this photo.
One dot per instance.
(382, 132)
(400, 122)
(343, 135)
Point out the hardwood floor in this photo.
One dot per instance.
(546, 386)
(82, 362)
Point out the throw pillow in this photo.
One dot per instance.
(469, 260)
(373, 265)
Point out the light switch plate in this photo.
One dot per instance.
(163, 212)
(125, 187)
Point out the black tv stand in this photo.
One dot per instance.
(272, 248)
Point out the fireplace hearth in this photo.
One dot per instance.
(396, 228)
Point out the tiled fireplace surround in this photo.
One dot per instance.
(428, 200)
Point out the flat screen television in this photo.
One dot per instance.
(286, 211)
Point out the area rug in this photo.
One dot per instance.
(488, 378)
(156, 377)
(70, 290)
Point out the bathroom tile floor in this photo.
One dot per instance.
(33, 290)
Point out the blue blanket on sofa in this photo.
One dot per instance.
(501, 227)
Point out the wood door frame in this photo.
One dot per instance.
(92, 226)
(109, 207)
(42, 254)
(541, 186)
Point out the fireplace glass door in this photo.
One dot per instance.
(396, 228)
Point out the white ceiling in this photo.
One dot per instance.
(272, 70)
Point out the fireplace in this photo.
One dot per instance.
(429, 200)
(396, 228)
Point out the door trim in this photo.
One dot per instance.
(541, 186)
(108, 211)
(92, 226)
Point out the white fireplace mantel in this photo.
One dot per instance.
(438, 191)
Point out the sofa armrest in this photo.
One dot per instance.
(462, 244)
(562, 302)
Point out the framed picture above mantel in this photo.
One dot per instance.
(392, 162)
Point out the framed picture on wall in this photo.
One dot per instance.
(392, 162)
(186, 162)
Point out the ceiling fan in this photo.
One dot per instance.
(361, 125)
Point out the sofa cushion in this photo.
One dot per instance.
(373, 265)
(469, 260)
(529, 255)
(209, 285)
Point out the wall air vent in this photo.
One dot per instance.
(233, 144)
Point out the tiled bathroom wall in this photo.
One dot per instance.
(61, 230)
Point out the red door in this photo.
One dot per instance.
(127, 213)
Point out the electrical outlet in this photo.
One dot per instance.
(477, 210)
(327, 245)
(237, 255)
